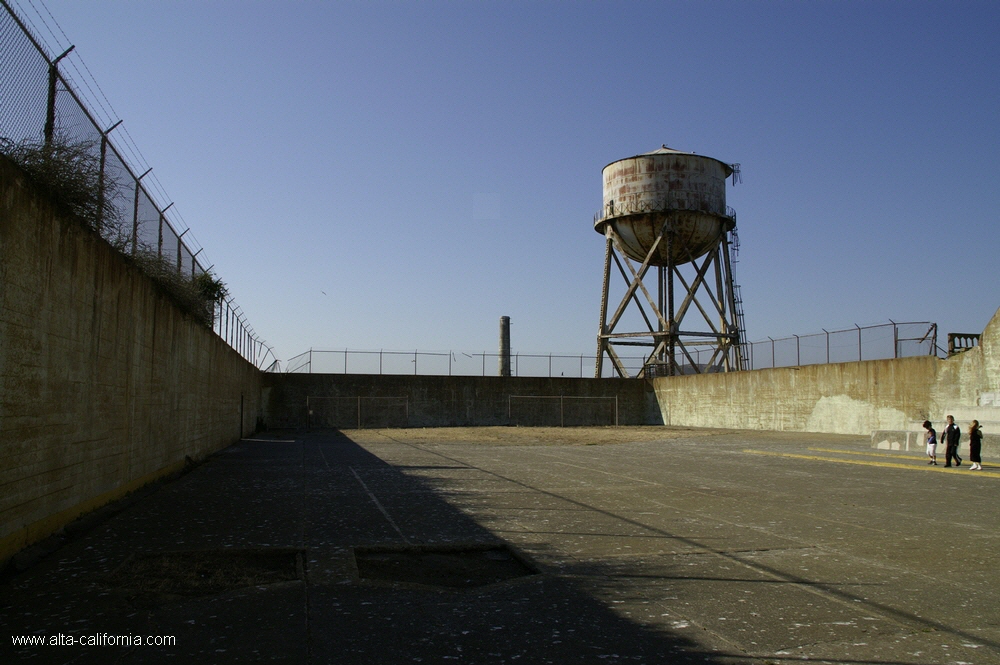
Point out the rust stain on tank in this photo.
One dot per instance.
(685, 190)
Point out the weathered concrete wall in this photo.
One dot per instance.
(450, 401)
(104, 384)
(887, 399)
(843, 398)
(967, 387)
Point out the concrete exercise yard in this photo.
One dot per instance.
(643, 545)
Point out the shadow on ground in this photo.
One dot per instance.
(251, 557)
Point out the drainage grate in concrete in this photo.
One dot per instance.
(449, 566)
(207, 572)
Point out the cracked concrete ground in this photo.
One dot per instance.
(652, 545)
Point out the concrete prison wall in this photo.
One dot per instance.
(887, 399)
(357, 400)
(105, 385)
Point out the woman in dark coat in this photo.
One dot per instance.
(975, 446)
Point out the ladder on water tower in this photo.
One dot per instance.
(738, 301)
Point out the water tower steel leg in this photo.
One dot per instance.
(671, 327)
(736, 329)
(722, 305)
(602, 341)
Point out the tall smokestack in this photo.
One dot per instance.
(504, 346)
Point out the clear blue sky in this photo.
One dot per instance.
(433, 166)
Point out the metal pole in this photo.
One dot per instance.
(798, 356)
(859, 341)
(135, 212)
(827, 345)
(194, 256)
(602, 341)
(50, 112)
(101, 177)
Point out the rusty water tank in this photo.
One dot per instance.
(682, 189)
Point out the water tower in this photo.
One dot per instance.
(671, 237)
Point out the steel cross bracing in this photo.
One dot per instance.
(711, 292)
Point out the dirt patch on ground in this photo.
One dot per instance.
(527, 436)
(576, 436)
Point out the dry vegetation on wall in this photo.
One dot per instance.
(69, 172)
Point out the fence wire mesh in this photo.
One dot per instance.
(41, 103)
(877, 342)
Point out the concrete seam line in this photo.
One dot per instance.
(379, 506)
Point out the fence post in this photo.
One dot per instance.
(50, 111)
(798, 355)
(859, 341)
(895, 339)
(773, 364)
(135, 214)
(101, 178)
(414, 362)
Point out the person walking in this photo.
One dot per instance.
(975, 446)
(951, 435)
(931, 443)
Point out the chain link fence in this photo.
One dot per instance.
(878, 342)
(42, 104)
(445, 363)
